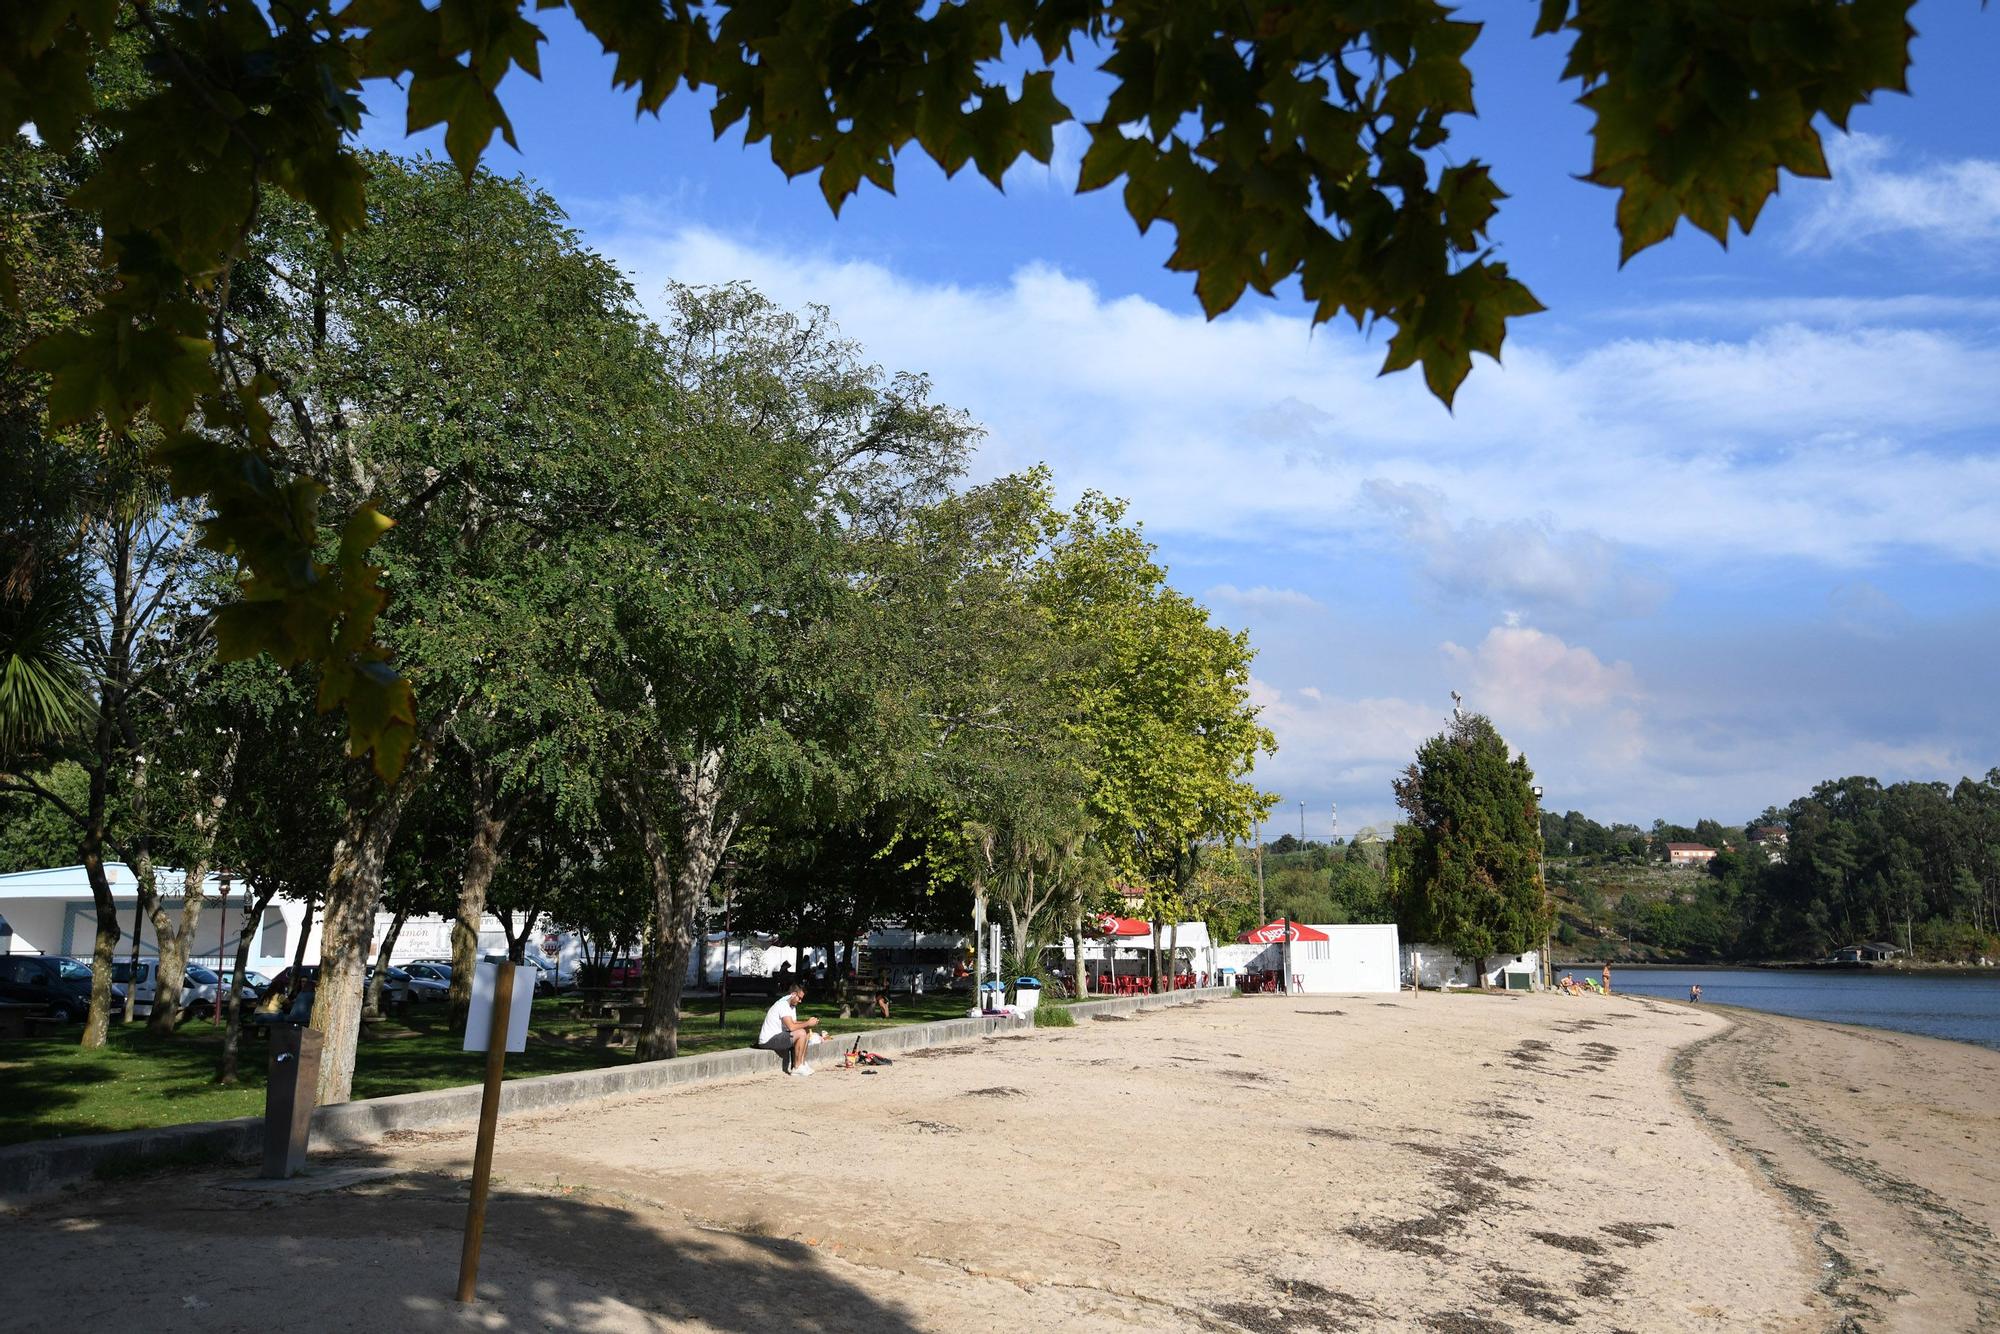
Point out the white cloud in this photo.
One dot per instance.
(1832, 445)
(1522, 562)
(1877, 191)
(1529, 682)
(1263, 598)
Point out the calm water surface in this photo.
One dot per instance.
(1936, 1006)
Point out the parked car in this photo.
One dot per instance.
(425, 984)
(143, 977)
(395, 985)
(430, 979)
(255, 984)
(624, 973)
(206, 984)
(62, 984)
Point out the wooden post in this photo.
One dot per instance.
(489, 1117)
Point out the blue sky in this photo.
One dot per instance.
(1724, 524)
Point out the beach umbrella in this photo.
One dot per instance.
(1281, 930)
(1111, 927)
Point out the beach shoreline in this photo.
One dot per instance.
(1468, 1163)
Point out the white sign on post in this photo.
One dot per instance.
(479, 1019)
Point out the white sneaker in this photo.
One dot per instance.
(801, 1070)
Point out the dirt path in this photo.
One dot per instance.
(1464, 1163)
(1884, 1144)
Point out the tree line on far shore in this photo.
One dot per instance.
(702, 608)
(1913, 864)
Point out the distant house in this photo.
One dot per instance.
(1689, 854)
(1771, 833)
(1873, 951)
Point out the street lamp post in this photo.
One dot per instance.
(1302, 820)
(1260, 871)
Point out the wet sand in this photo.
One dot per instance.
(1455, 1163)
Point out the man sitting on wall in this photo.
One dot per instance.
(785, 1033)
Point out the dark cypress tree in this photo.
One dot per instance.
(1469, 876)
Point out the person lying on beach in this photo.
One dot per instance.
(785, 1033)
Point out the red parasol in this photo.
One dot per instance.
(1107, 925)
(1273, 932)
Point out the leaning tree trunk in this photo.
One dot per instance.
(174, 939)
(388, 947)
(232, 1033)
(348, 916)
(104, 949)
(482, 859)
(679, 885)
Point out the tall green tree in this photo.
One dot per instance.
(1468, 854)
(467, 364)
(737, 561)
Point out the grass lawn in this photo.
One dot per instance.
(53, 1088)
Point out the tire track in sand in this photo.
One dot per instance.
(1894, 1254)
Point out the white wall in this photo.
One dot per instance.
(1443, 968)
(1354, 958)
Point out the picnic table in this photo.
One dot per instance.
(18, 1019)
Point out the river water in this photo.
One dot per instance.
(1966, 1008)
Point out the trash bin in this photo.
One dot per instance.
(1225, 977)
(992, 995)
(1027, 993)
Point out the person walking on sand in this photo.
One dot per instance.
(1607, 979)
(785, 1033)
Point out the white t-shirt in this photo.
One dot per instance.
(774, 1019)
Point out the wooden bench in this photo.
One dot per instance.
(611, 1032)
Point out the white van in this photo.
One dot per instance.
(198, 985)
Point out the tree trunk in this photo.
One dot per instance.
(1159, 925)
(174, 940)
(305, 934)
(978, 943)
(482, 858)
(1082, 972)
(348, 918)
(374, 1005)
(695, 803)
(846, 988)
(1174, 955)
(104, 950)
(171, 943)
(232, 1033)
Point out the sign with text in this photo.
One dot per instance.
(480, 1018)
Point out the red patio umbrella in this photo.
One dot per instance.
(1112, 927)
(1273, 932)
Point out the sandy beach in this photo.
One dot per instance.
(1455, 1163)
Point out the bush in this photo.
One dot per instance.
(1054, 1016)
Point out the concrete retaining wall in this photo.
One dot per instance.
(28, 1171)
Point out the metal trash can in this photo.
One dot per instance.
(992, 995)
(1027, 994)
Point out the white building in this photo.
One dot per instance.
(1442, 969)
(1335, 960)
(52, 911)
